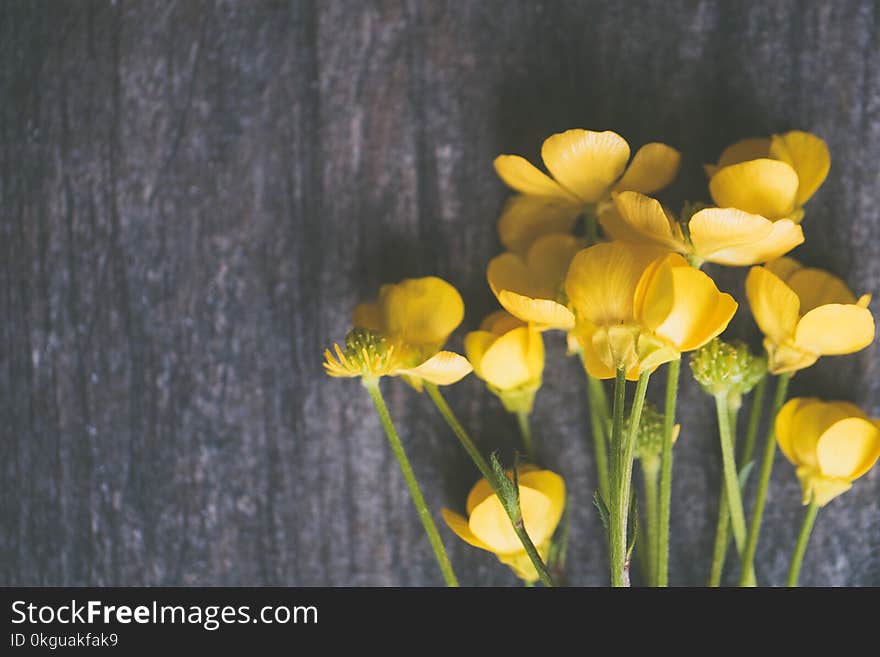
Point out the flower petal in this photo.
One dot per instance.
(808, 155)
(443, 368)
(523, 176)
(849, 448)
(752, 148)
(459, 525)
(500, 322)
(368, 316)
(784, 424)
(475, 345)
(491, 525)
(784, 267)
(552, 486)
(653, 167)
(698, 312)
(421, 311)
(514, 359)
(585, 162)
(835, 329)
(527, 218)
(638, 218)
(481, 490)
(548, 260)
(816, 287)
(602, 280)
(774, 305)
(766, 187)
(543, 313)
(809, 422)
(732, 237)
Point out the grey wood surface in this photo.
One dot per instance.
(194, 195)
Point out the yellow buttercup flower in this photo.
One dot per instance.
(773, 177)
(830, 443)
(508, 355)
(529, 287)
(487, 526)
(638, 307)
(806, 313)
(402, 335)
(727, 236)
(585, 167)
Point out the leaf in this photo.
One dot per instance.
(634, 523)
(743, 475)
(507, 490)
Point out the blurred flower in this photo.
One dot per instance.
(772, 177)
(585, 167)
(638, 307)
(806, 313)
(530, 287)
(402, 334)
(487, 526)
(508, 355)
(831, 443)
(727, 236)
(649, 439)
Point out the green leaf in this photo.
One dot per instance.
(634, 523)
(507, 490)
(744, 474)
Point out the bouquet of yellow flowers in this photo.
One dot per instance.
(590, 252)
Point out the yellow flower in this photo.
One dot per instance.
(638, 307)
(529, 287)
(508, 355)
(831, 443)
(772, 177)
(402, 335)
(585, 167)
(487, 526)
(727, 236)
(806, 313)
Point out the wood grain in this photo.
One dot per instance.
(195, 194)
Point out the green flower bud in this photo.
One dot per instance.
(723, 368)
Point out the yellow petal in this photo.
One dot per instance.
(809, 423)
(653, 167)
(421, 311)
(553, 486)
(808, 155)
(602, 280)
(638, 218)
(459, 525)
(819, 488)
(698, 311)
(526, 218)
(543, 313)
(443, 368)
(784, 424)
(774, 305)
(816, 287)
(784, 268)
(864, 301)
(481, 490)
(752, 148)
(596, 366)
(510, 360)
(475, 345)
(849, 448)
(732, 237)
(525, 177)
(500, 322)
(491, 525)
(765, 187)
(585, 162)
(835, 329)
(548, 260)
(368, 316)
(510, 272)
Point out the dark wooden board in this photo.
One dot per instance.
(195, 194)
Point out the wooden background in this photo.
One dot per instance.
(194, 195)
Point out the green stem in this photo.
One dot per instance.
(651, 479)
(372, 386)
(599, 425)
(754, 421)
(665, 502)
(488, 475)
(722, 526)
(731, 481)
(525, 430)
(748, 558)
(797, 556)
(624, 446)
